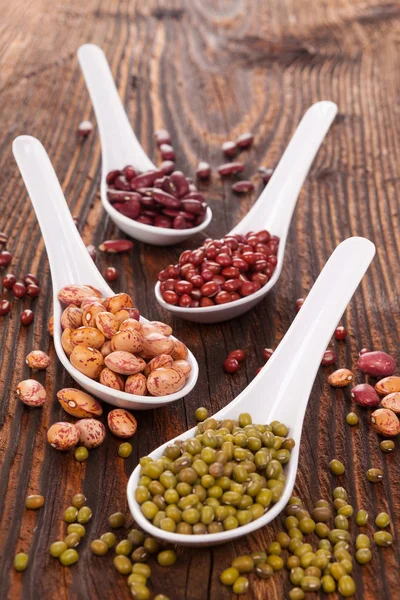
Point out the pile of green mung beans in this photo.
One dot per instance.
(329, 565)
(226, 476)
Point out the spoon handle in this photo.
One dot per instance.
(69, 259)
(274, 208)
(119, 144)
(281, 390)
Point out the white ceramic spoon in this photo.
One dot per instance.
(70, 263)
(282, 389)
(120, 147)
(272, 211)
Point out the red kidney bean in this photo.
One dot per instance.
(5, 258)
(232, 285)
(165, 199)
(19, 290)
(329, 358)
(231, 365)
(229, 149)
(162, 136)
(237, 355)
(145, 179)
(167, 166)
(5, 307)
(163, 221)
(242, 187)
(167, 152)
(244, 140)
(265, 174)
(191, 205)
(32, 290)
(185, 301)
(92, 251)
(186, 215)
(183, 287)
(267, 353)
(209, 289)
(9, 280)
(230, 168)
(122, 184)
(130, 209)
(120, 196)
(129, 172)
(169, 187)
(111, 274)
(365, 395)
(145, 220)
(180, 182)
(340, 333)
(180, 223)
(203, 170)
(170, 297)
(111, 176)
(26, 317)
(377, 364)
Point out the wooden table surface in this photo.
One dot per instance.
(207, 70)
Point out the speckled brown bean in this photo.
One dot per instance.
(91, 432)
(31, 392)
(88, 361)
(127, 313)
(131, 324)
(38, 360)
(388, 385)
(163, 382)
(124, 363)
(107, 323)
(118, 302)
(155, 344)
(161, 327)
(75, 294)
(180, 351)
(106, 348)
(136, 385)
(66, 341)
(79, 404)
(50, 326)
(127, 340)
(182, 366)
(73, 316)
(147, 328)
(392, 401)
(121, 423)
(89, 337)
(162, 360)
(64, 317)
(385, 422)
(111, 379)
(63, 436)
(90, 313)
(340, 378)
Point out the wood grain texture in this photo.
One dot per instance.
(207, 70)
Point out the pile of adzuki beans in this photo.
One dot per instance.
(220, 271)
(156, 198)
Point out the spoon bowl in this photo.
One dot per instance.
(70, 262)
(272, 211)
(120, 147)
(281, 390)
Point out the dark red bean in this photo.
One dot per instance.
(340, 333)
(192, 205)
(19, 290)
(265, 173)
(230, 168)
(242, 187)
(145, 179)
(183, 287)
(162, 136)
(209, 289)
(167, 152)
(186, 215)
(3, 238)
(26, 317)
(170, 297)
(111, 176)
(32, 290)
(129, 172)
(267, 353)
(165, 199)
(229, 149)
(9, 280)
(5, 307)
(120, 196)
(203, 170)
(122, 184)
(169, 187)
(131, 209)
(329, 358)
(206, 302)
(92, 251)
(244, 140)
(185, 301)
(171, 212)
(237, 354)
(147, 203)
(163, 221)
(231, 365)
(145, 220)
(111, 274)
(167, 167)
(180, 223)
(5, 258)
(180, 182)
